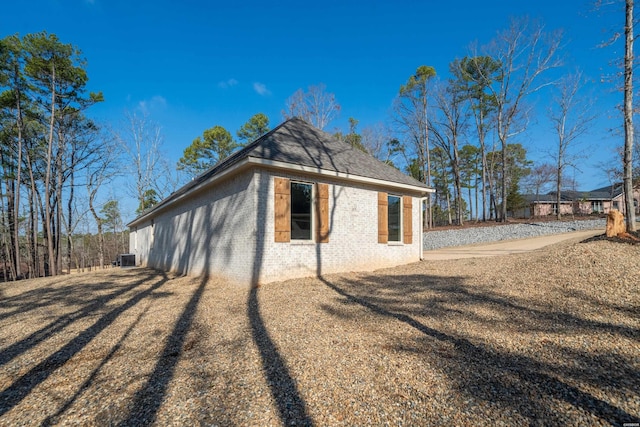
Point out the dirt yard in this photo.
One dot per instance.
(550, 337)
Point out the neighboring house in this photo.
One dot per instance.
(296, 202)
(598, 201)
(543, 205)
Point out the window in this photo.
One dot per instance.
(596, 206)
(554, 208)
(393, 218)
(301, 211)
(153, 234)
(616, 205)
(301, 218)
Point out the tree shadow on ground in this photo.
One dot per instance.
(291, 407)
(516, 382)
(284, 390)
(146, 286)
(149, 398)
(82, 297)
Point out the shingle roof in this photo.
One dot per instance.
(543, 198)
(297, 142)
(598, 194)
(604, 193)
(609, 192)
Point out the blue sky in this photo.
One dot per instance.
(194, 64)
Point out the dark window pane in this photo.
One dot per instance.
(394, 218)
(301, 211)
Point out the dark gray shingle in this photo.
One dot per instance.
(299, 143)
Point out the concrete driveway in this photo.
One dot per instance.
(506, 247)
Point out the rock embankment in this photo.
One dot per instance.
(468, 236)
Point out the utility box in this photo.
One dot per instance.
(127, 260)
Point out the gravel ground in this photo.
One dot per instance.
(551, 337)
(467, 236)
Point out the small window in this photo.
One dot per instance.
(394, 219)
(301, 197)
(596, 206)
(153, 234)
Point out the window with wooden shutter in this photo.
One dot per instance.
(322, 213)
(301, 211)
(394, 218)
(282, 210)
(383, 214)
(406, 219)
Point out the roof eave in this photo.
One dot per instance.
(169, 201)
(274, 164)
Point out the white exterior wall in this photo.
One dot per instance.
(353, 235)
(229, 231)
(211, 232)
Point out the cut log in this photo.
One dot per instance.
(615, 223)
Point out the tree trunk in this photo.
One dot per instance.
(17, 195)
(492, 198)
(47, 232)
(471, 203)
(8, 235)
(58, 204)
(100, 232)
(476, 194)
(33, 215)
(70, 213)
(457, 183)
(503, 210)
(628, 119)
(6, 245)
(484, 178)
(558, 185)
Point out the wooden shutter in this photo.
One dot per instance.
(406, 219)
(322, 213)
(282, 210)
(383, 218)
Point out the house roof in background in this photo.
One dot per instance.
(297, 143)
(610, 191)
(544, 198)
(604, 193)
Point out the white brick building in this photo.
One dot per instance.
(296, 202)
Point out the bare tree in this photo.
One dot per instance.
(141, 141)
(525, 52)
(451, 124)
(378, 142)
(571, 118)
(315, 106)
(100, 172)
(540, 177)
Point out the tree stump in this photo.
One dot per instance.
(615, 223)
